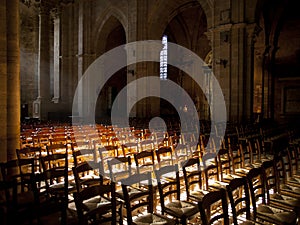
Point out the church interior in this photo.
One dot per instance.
(149, 112)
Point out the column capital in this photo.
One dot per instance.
(44, 6)
(221, 27)
(55, 12)
(28, 3)
(253, 31)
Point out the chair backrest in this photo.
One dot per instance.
(55, 171)
(17, 190)
(280, 167)
(147, 144)
(119, 168)
(130, 148)
(96, 194)
(290, 161)
(236, 156)
(211, 168)
(270, 177)
(238, 194)
(254, 149)
(224, 162)
(58, 140)
(294, 157)
(256, 182)
(182, 152)
(80, 144)
(56, 148)
(82, 155)
(85, 175)
(19, 171)
(30, 152)
(208, 214)
(168, 187)
(164, 156)
(106, 153)
(192, 175)
(245, 152)
(144, 161)
(144, 197)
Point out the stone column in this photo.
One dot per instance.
(143, 107)
(237, 78)
(221, 46)
(3, 79)
(13, 78)
(56, 54)
(43, 99)
(253, 74)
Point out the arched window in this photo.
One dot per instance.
(164, 59)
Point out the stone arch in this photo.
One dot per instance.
(165, 11)
(207, 6)
(109, 18)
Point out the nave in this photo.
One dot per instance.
(102, 174)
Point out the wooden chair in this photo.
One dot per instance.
(57, 148)
(130, 148)
(238, 194)
(31, 152)
(144, 161)
(225, 164)
(119, 168)
(262, 211)
(5, 204)
(18, 181)
(83, 155)
(86, 174)
(97, 204)
(164, 156)
(193, 179)
(147, 144)
(181, 210)
(289, 189)
(55, 175)
(182, 152)
(274, 195)
(142, 201)
(214, 207)
(211, 171)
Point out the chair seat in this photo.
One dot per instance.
(229, 177)
(294, 181)
(248, 223)
(153, 219)
(291, 190)
(59, 188)
(96, 204)
(285, 200)
(181, 208)
(242, 171)
(25, 197)
(276, 216)
(198, 195)
(132, 193)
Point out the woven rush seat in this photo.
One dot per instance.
(153, 219)
(181, 208)
(276, 215)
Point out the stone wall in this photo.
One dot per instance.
(231, 29)
(28, 58)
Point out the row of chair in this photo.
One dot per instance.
(58, 193)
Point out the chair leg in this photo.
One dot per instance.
(183, 221)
